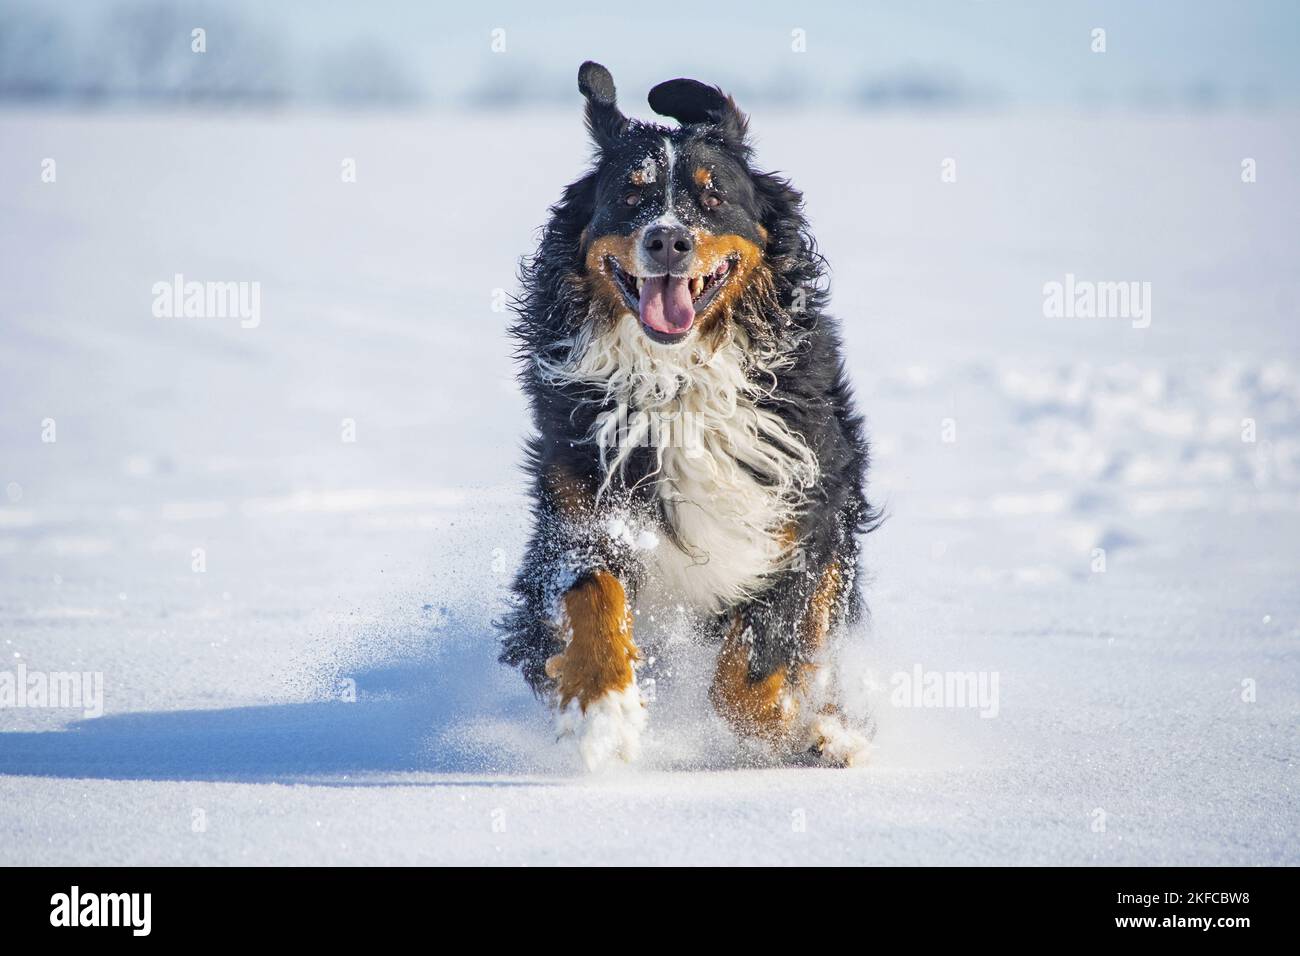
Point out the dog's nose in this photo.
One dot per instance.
(668, 245)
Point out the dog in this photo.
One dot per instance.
(697, 447)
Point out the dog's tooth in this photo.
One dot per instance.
(697, 285)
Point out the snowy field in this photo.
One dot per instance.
(1145, 713)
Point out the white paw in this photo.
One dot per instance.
(838, 744)
(609, 729)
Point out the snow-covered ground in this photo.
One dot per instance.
(1145, 713)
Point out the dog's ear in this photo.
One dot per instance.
(690, 102)
(604, 119)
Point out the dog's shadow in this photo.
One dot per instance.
(423, 713)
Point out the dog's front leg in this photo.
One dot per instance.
(571, 630)
(595, 677)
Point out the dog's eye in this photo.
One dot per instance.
(711, 200)
(632, 198)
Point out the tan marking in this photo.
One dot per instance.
(647, 172)
(817, 623)
(703, 178)
(572, 497)
(601, 284)
(789, 537)
(622, 248)
(748, 268)
(767, 708)
(600, 652)
(755, 709)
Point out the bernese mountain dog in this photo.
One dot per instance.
(697, 449)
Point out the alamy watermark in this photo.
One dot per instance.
(945, 689)
(179, 299)
(1083, 299)
(652, 429)
(130, 910)
(66, 690)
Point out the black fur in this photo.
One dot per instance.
(691, 102)
(604, 120)
(812, 395)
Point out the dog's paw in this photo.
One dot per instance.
(608, 730)
(833, 743)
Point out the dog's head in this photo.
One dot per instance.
(675, 233)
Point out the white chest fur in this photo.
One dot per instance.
(697, 408)
(727, 530)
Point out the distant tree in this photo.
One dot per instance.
(508, 82)
(363, 73)
(910, 89)
(36, 55)
(149, 56)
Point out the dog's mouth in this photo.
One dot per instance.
(668, 305)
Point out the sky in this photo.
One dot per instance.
(1234, 53)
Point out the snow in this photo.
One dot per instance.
(325, 690)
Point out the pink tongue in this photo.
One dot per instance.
(666, 305)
